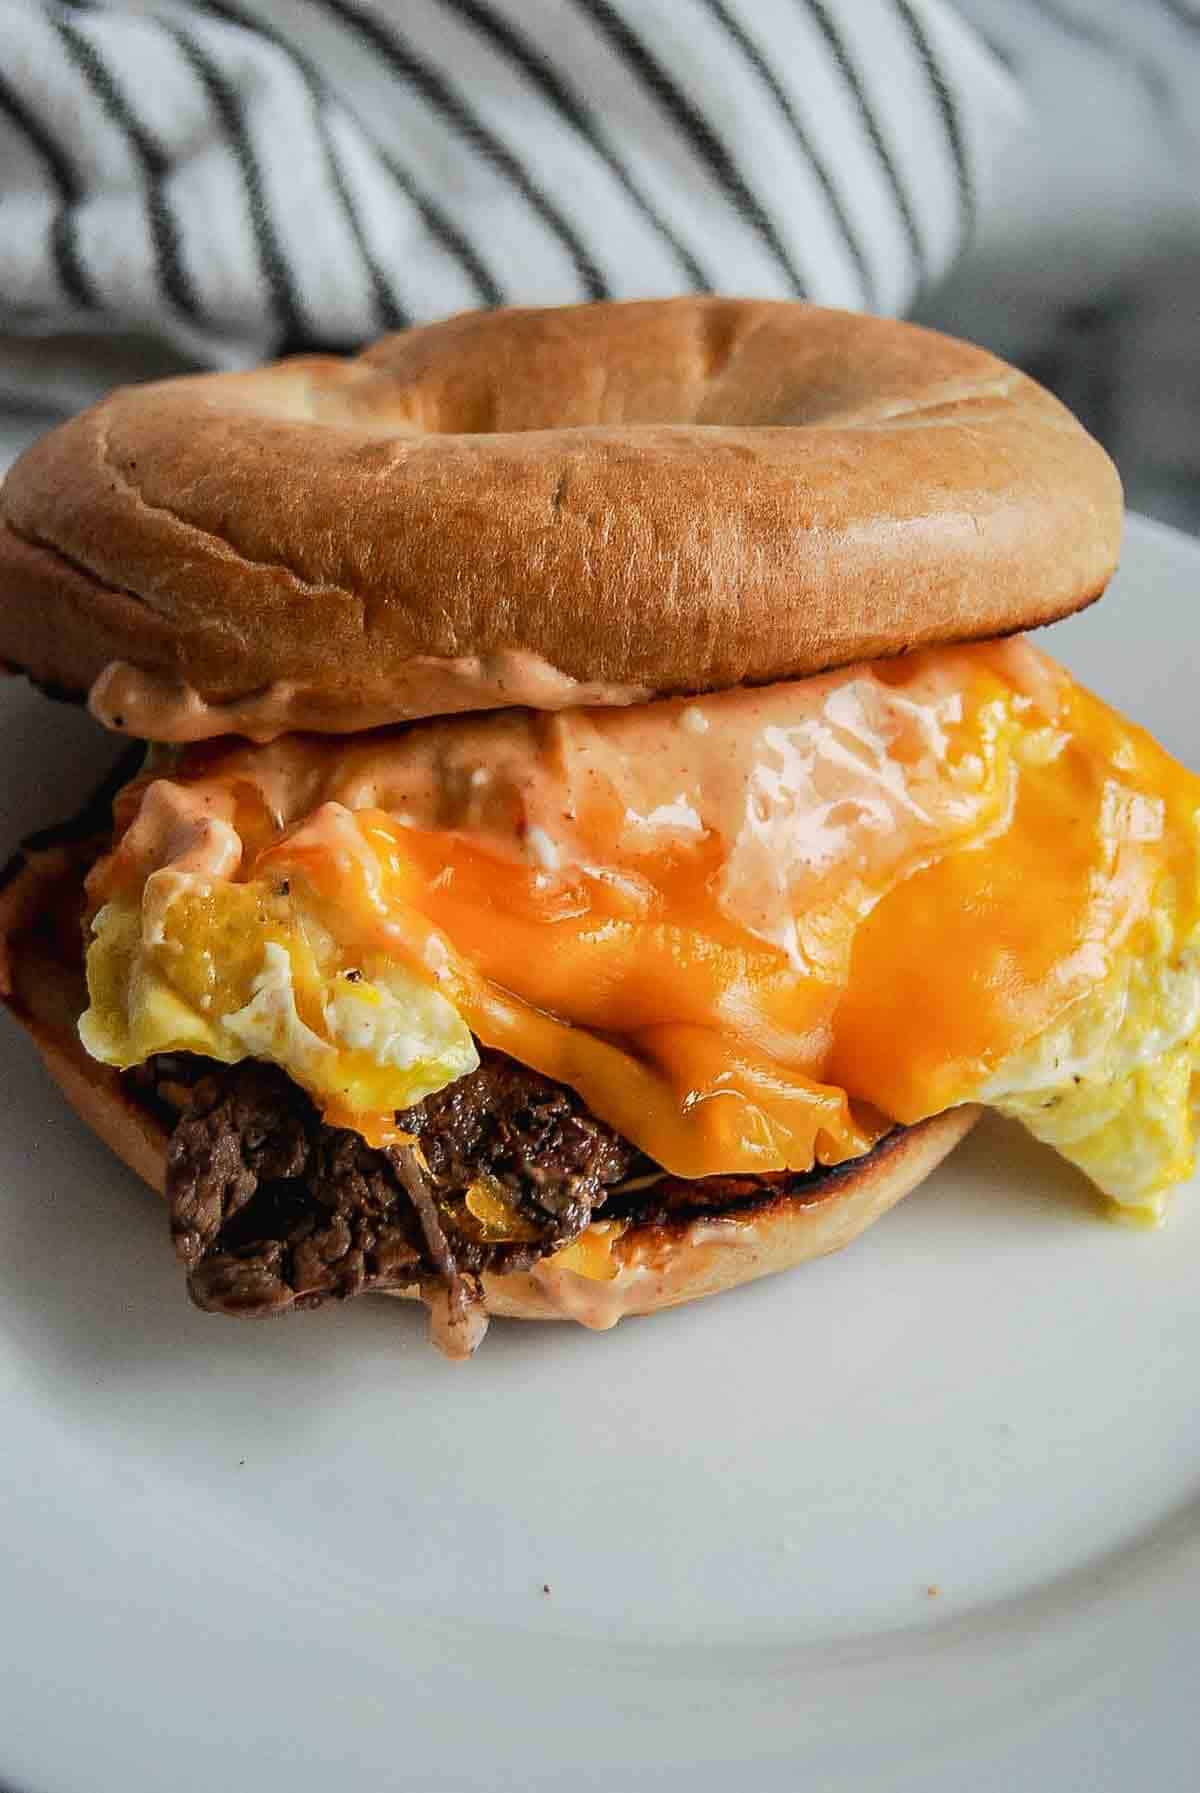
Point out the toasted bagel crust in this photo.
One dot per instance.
(663, 496)
(658, 1265)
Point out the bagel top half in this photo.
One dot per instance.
(596, 504)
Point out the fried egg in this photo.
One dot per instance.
(851, 902)
(234, 971)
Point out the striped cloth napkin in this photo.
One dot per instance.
(251, 177)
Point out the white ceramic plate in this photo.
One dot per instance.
(922, 1516)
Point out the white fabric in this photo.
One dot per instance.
(237, 179)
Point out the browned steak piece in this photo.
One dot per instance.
(270, 1208)
(534, 1137)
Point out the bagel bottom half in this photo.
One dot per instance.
(658, 1263)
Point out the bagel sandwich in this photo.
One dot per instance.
(599, 830)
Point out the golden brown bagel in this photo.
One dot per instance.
(598, 503)
(660, 1265)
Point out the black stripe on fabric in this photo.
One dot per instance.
(434, 220)
(703, 139)
(947, 105)
(155, 165)
(64, 243)
(227, 104)
(834, 200)
(440, 225)
(390, 314)
(850, 75)
(437, 222)
(579, 117)
(442, 98)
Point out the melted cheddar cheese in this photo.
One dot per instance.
(752, 930)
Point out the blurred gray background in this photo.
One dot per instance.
(1085, 269)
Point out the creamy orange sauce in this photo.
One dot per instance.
(645, 1272)
(157, 707)
(598, 1305)
(750, 929)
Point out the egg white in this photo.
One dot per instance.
(1114, 1085)
(393, 1019)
